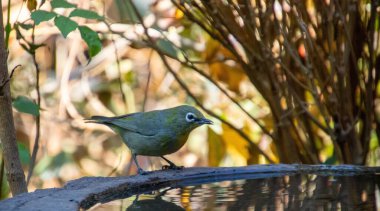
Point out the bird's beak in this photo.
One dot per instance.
(203, 121)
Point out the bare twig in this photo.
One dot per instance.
(38, 123)
(147, 81)
(9, 78)
(114, 169)
(118, 68)
(38, 117)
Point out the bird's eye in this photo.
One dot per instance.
(190, 117)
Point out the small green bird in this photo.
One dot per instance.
(155, 133)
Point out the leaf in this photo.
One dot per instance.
(130, 77)
(25, 26)
(92, 40)
(23, 153)
(48, 165)
(65, 25)
(31, 4)
(25, 105)
(127, 12)
(216, 148)
(34, 47)
(236, 146)
(225, 68)
(8, 28)
(374, 141)
(39, 16)
(167, 47)
(85, 14)
(5, 190)
(331, 160)
(61, 4)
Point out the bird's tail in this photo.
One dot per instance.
(97, 119)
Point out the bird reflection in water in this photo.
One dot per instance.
(154, 204)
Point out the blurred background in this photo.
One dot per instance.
(284, 81)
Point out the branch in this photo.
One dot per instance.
(9, 78)
(88, 191)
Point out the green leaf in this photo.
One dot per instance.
(167, 47)
(48, 165)
(92, 40)
(130, 77)
(8, 28)
(5, 190)
(25, 26)
(62, 4)
(23, 153)
(25, 105)
(65, 25)
(331, 160)
(39, 16)
(85, 14)
(34, 47)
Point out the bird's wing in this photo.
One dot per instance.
(136, 124)
(126, 115)
(144, 123)
(108, 120)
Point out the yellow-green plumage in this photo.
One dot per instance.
(155, 133)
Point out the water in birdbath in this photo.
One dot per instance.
(289, 192)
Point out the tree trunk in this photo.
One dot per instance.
(15, 174)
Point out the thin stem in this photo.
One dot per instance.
(8, 25)
(1, 175)
(147, 82)
(114, 169)
(38, 117)
(9, 78)
(119, 72)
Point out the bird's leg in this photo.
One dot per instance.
(171, 165)
(139, 169)
(136, 199)
(164, 191)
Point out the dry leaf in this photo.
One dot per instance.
(216, 148)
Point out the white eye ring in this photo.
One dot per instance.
(190, 117)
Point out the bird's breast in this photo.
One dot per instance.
(157, 145)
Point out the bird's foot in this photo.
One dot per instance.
(173, 167)
(142, 172)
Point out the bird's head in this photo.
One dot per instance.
(189, 118)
